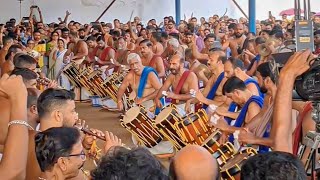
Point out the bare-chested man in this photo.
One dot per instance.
(7, 42)
(200, 69)
(235, 89)
(181, 81)
(151, 59)
(92, 49)
(145, 83)
(104, 53)
(78, 49)
(8, 66)
(157, 47)
(136, 81)
(212, 93)
(236, 44)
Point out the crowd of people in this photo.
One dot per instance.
(215, 64)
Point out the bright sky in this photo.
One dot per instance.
(147, 9)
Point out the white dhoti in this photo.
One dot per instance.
(109, 103)
(181, 109)
(163, 147)
(85, 95)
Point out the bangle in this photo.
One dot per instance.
(20, 122)
(119, 101)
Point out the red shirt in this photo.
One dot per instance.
(317, 51)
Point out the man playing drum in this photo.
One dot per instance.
(145, 84)
(181, 81)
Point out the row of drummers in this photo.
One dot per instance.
(93, 81)
(183, 130)
(169, 125)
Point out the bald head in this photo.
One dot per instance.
(194, 162)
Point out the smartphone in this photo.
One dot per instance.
(95, 24)
(25, 19)
(270, 15)
(34, 7)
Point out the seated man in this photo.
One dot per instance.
(234, 67)
(251, 105)
(145, 84)
(199, 164)
(143, 80)
(181, 81)
(258, 130)
(59, 153)
(122, 163)
(273, 165)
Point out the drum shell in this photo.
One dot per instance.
(168, 128)
(143, 124)
(194, 128)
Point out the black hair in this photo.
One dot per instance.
(156, 36)
(23, 61)
(259, 40)
(65, 30)
(265, 70)
(13, 49)
(222, 56)
(164, 35)
(210, 36)
(6, 39)
(236, 63)
(265, 31)
(174, 35)
(147, 42)
(54, 143)
(25, 73)
(232, 26)
(51, 99)
(232, 84)
(273, 165)
(91, 38)
(121, 163)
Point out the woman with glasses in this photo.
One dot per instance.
(59, 153)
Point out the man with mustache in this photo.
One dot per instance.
(145, 83)
(151, 59)
(56, 108)
(181, 81)
(236, 44)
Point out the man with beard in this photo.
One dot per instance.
(236, 44)
(317, 42)
(145, 83)
(151, 59)
(212, 93)
(122, 51)
(104, 53)
(56, 108)
(257, 130)
(181, 81)
(92, 50)
(77, 50)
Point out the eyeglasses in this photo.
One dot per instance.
(82, 155)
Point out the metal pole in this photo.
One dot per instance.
(252, 16)
(178, 11)
(299, 10)
(309, 10)
(238, 6)
(105, 10)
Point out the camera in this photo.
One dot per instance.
(308, 84)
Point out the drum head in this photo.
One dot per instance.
(131, 114)
(163, 114)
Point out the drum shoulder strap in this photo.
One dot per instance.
(181, 82)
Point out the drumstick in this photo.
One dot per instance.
(131, 16)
